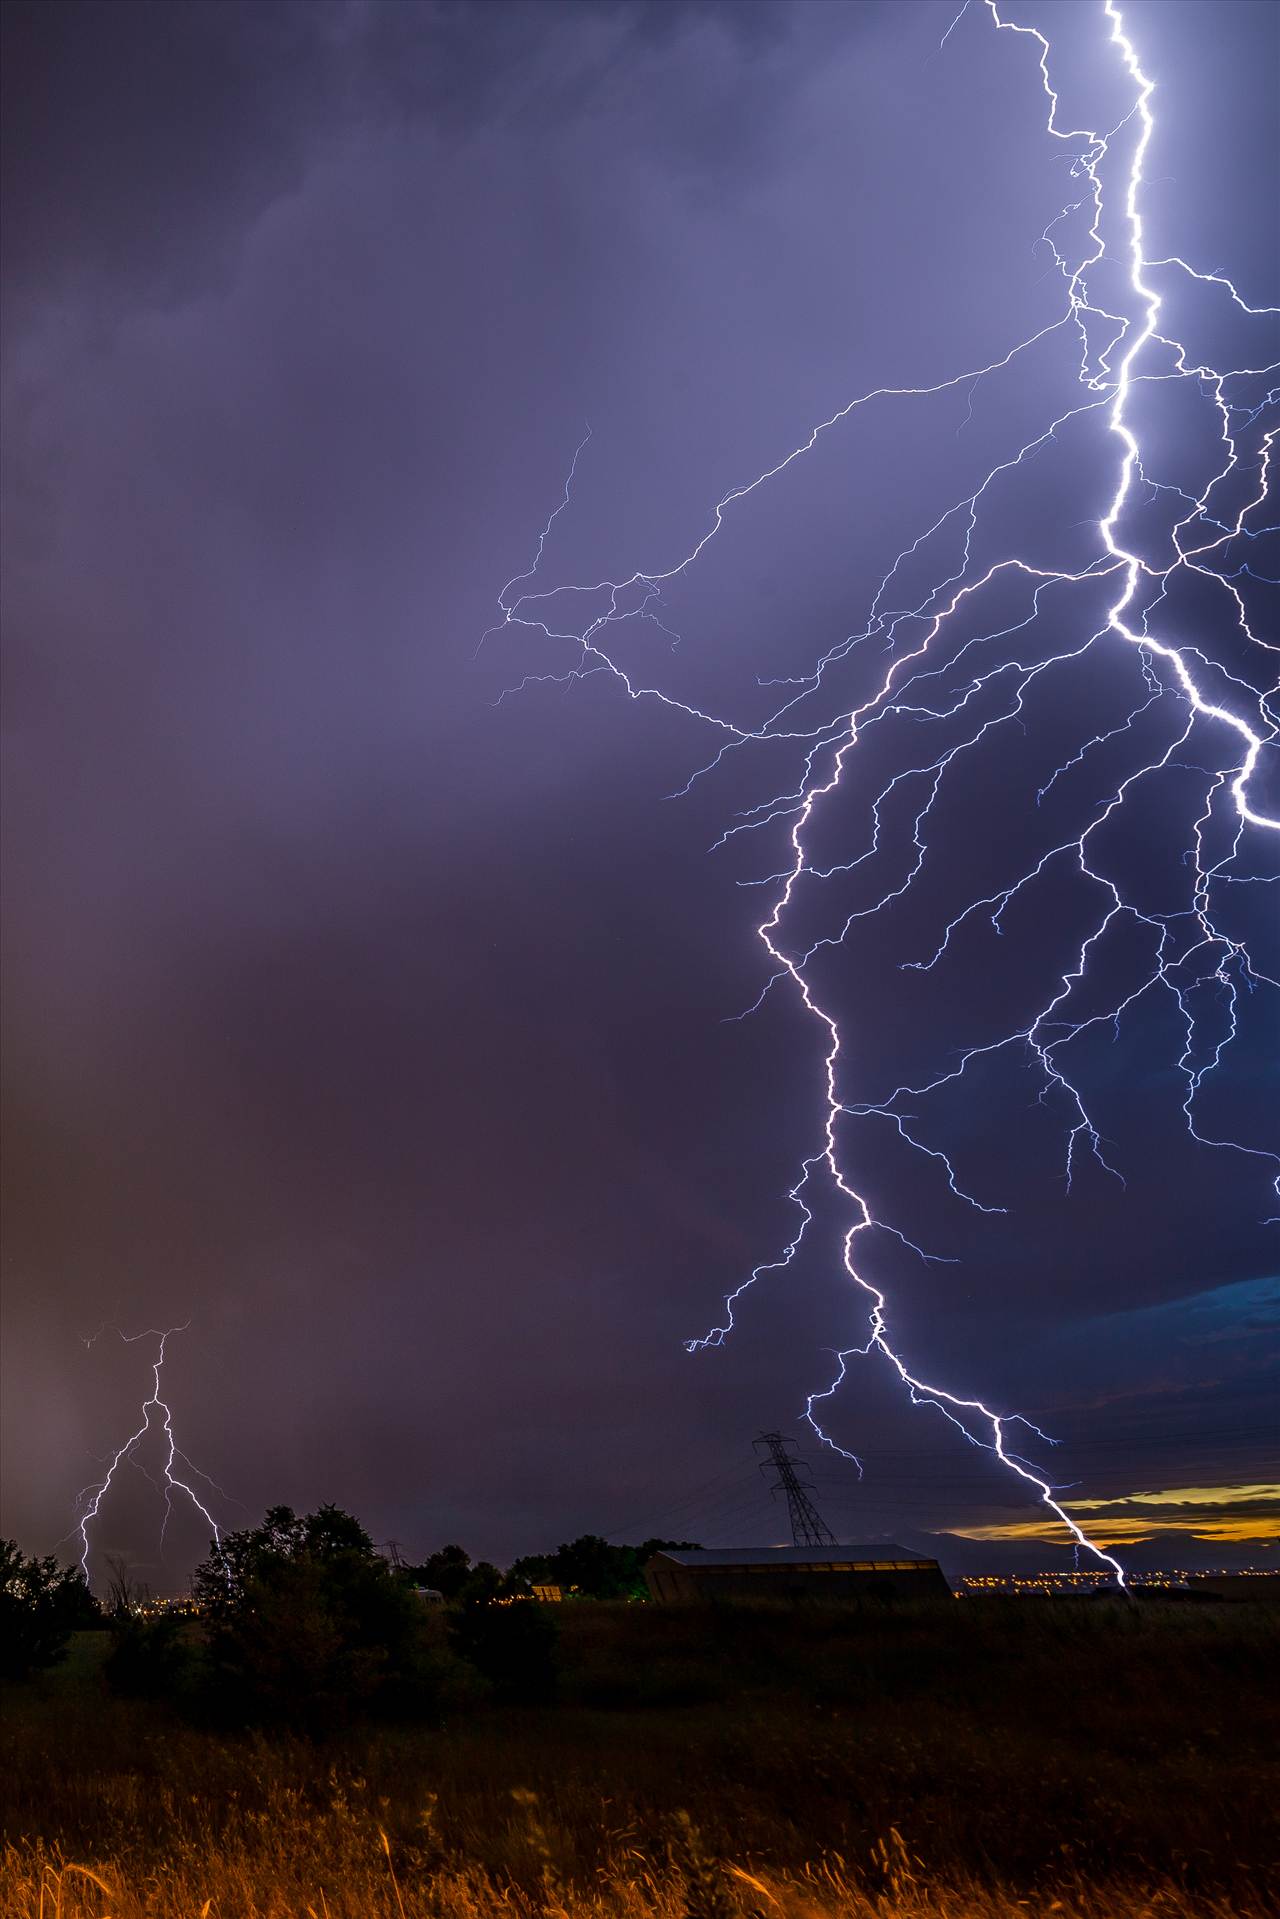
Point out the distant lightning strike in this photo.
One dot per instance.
(1202, 968)
(89, 1501)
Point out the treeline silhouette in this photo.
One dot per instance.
(302, 1622)
(589, 1567)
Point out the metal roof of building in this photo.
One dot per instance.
(865, 1553)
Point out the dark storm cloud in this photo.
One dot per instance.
(374, 1026)
(137, 137)
(141, 139)
(287, 1044)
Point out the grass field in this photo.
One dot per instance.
(975, 1759)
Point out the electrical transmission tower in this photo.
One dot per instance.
(808, 1527)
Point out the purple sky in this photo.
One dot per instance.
(377, 1028)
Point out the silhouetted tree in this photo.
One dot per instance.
(446, 1571)
(41, 1605)
(124, 1593)
(484, 1582)
(326, 1536)
(308, 1623)
(451, 1573)
(593, 1568)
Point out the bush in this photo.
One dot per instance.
(41, 1605)
(514, 1646)
(149, 1658)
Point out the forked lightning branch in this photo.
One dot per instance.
(1206, 713)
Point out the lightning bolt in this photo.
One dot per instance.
(154, 1409)
(1189, 714)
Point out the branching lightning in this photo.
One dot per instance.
(1189, 715)
(155, 1410)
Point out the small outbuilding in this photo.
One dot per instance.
(796, 1573)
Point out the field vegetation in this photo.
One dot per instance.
(977, 1759)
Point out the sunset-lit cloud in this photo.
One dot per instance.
(1236, 1514)
(1185, 1496)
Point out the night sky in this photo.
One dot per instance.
(380, 1026)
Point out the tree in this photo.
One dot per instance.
(308, 1623)
(485, 1582)
(41, 1605)
(593, 1568)
(445, 1571)
(327, 1536)
(125, 1594)
(452, 1574)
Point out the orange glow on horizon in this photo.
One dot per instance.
(1159, 1513)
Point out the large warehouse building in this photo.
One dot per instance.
(794, 1573)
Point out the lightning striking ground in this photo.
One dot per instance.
(89, 1500)
(1187, 711)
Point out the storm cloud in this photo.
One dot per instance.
(376, 1023)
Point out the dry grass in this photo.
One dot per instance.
(342, 1868)
(966, 1764)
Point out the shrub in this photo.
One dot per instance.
(514, 1646)
(149, 1658)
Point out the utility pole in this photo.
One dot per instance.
(808, 1527)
